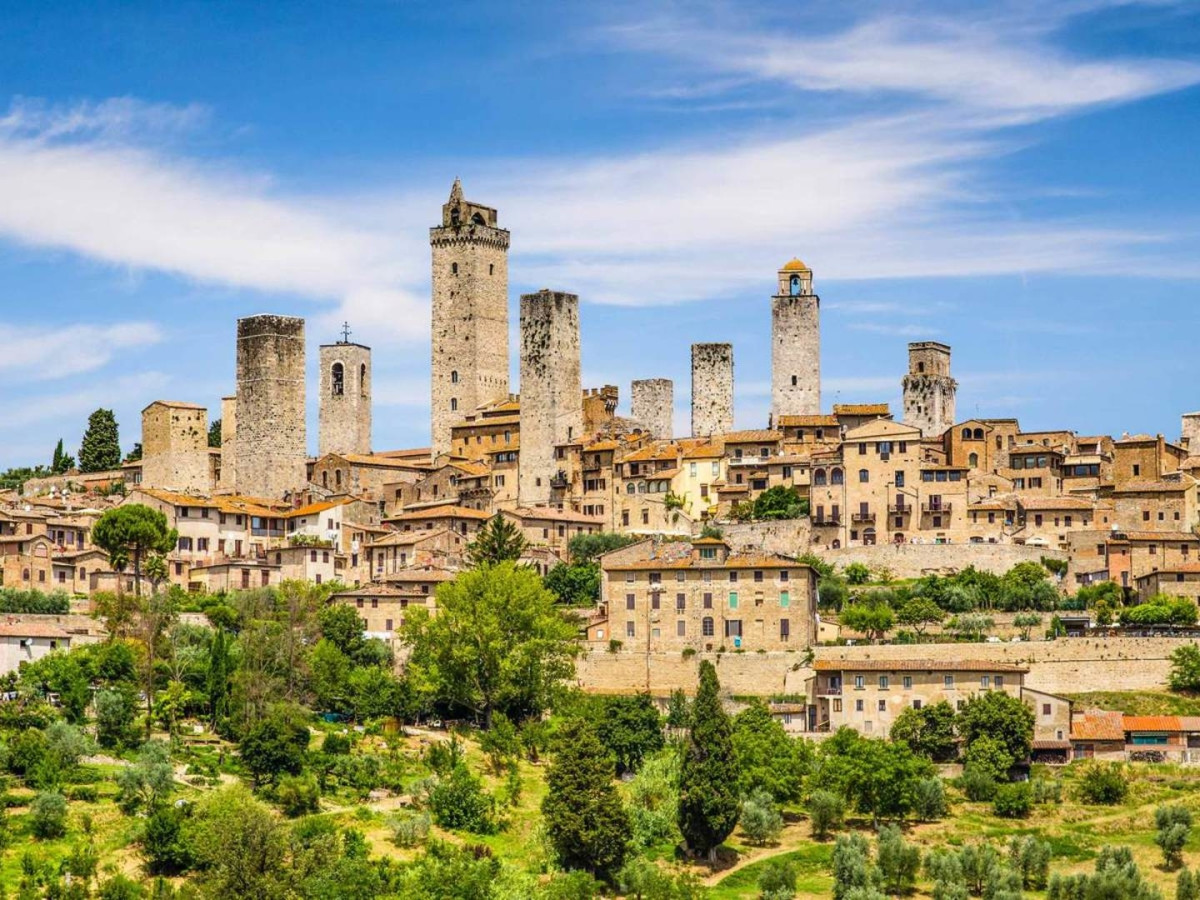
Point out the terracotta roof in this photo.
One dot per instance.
(1057, 503)
(1190, 569)
(1152, 723)
(795, 265)
(487, 422)
(406, 538)
(32, 630)
(1050, 744)
(553, 514)
(441, 512)
(473, 469)
(861, 409)
(1161, 536)
(177, 499)
(916, 665)
(806, 421)
(1098, 725)
(704, 450)
(423, 574)
(599, 446)
(1154, 487)
(315, 508)
(375, 459)
(653, 452)
(752, 436)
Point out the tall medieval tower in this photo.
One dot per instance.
(470, 314)
(271, 450)
(345, 407)
(929, 391)
(551, 389)
(795, 344)
(712, 389)
(654, 406)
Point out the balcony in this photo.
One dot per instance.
(559, 481)
(829, 690)
(936, 509)
(867, 516)
(823, 523)
(900, 510)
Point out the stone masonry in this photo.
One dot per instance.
(795, 344)
(929, 391)
(551, 411)
(470, 314)
(1190, 430)
(654, 406)
(175, 447)
(712, 389)
(345, 407)
(228, 481)
(271, 447)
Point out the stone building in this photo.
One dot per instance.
(712, 389)
(175, 452)
(929, 391)
(1190, 432)
(795, 344)
(271, 446)
(228, 481)
(470, 314)
(345, 406)
(653, 406)
(551, 408)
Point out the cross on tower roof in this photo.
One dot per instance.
(345, 332)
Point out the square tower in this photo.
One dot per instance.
(345, 408)
(175, 453)
(654, 406)
(795, 344)
(929, 391)
(551, 389)
(470, 314)
(271, 450)
(712, 389)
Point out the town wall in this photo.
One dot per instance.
(787, 537)
(916, 560)
(712, 389)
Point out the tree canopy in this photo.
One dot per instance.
(100, 450)
(499, 540)
(709, 805)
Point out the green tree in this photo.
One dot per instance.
(869, 615)
(768, 757)
(585, 820)
(988, 755)
(825, 811)
(857, 573)
(918, 613)
(854, 874)
(48, 815)
(970, 626)
(832, 593)
(459, 802)
(133, 531)
(101, 447)
(708, 800)
(630, 728)
(214, 433)
(575, 584)
(1174, 824)
(1185, 668)
(1026, 622)
(898, 861)
(62, 462)
(164, 844)
(500, 540)
(761, 819)
(146, 785)
(498, 642)
(585, 548)
(1013, 801)
(782, 501)
(1002, 717)
(217, 676)
(930, 802)
(877, 776)
(239, 845)
(777, 881)
(1187, 887)
(929, 731)
(276, 745)
(1104, 785)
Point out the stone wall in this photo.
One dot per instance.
(915, 560)
(470, 315)
(344, 413)
(551, 412)
(653, 406)
(271, 446)
(795, 356)
(228, 444)
(787, 537)
(1068, 665)
(175, 447)
(712, 389)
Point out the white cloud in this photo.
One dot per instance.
(75, 405)
(41, 353)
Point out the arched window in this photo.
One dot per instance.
(863, 476)
(337, 379)
(337, 477)
(477, 219)
(819, 477)
(629, 488)
(453, 404)
(325, 479)
(836, 477)
(973, 460)
(454, 377)
(795, 285)
(706, 626)
(898, 538)
(978, 435)
(453, 268)
(362, 380)
(966, 434)
(837, 544)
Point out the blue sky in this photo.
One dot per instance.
(1017, 179)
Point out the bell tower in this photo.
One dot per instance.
(795, 344)
(470, 314)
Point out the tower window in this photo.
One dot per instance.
(920, 367)
(453, 268)
(794, 381)
(453, 404)
(795, 286)
(454, 377)
(491, 268)
(338, 379)
(362, 380)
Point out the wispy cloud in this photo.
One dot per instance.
(74, 405)
(894, 329)
(41, 353)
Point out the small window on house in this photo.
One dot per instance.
(863, 476)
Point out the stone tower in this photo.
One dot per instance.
(345, 408)
(654, 406)
(929, 390)
(470, 314)
(712, 389)
(551, 390)
(1190, 432)
(795, 344)
(228, 480)
(271, 447)
(175, 447)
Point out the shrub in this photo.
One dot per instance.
(825, 810)
(1174, 824)
(48, 815)
(164, 843)
(336, 745)
(930, 803)
(84, 793)
(761, 819)
(899, 861)
(459, 802)
(298, 795)
(1047, 790)
(978, 785)
(1104, 785)
(857, 573)
(853, 870)
(1031, 858)
(409, 828)
(1013, 801)
(777, 881)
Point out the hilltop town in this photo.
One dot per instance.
(899, 494)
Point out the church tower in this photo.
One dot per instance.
(795, 345)
(344, 413)
(470, 314)
(929, 391)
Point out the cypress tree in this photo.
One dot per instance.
(708, 799)
(498, 541)
(101, 447)
(585, 819)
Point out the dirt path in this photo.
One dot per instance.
(789, 840)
